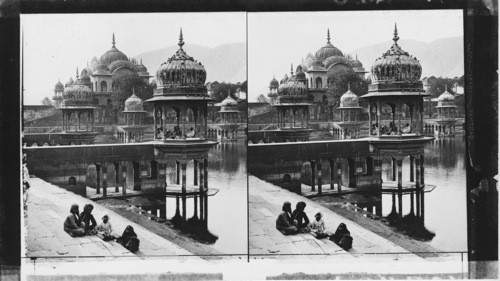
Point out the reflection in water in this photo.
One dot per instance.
(438, 216)
(228, 174)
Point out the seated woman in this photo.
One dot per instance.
(129, 239)
(72, 224)
(168, 134)
(284, 222)
(342, 237)
(301, 217)
(318, 227)
(177, 133)
(87, 218)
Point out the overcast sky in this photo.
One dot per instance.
(54, 45)
(278, 39)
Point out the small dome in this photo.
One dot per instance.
(335, 60)
(113, 54)
(100, 68)
(141, 68)
(274, 83)
(349, 99)
(77, 95)
(292, 92)
(69, 83)
(328, 50)
(356, 63)
(229, 101)
(446, 97)
(284, 79)
(119, 64)
(85, 78)
(59, 87)
(300, 75)
(181, 69)
(133, 103)
(396, 65)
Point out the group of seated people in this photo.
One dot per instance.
(176, 134)
(81, 224)
(289, 223)
(392, 130)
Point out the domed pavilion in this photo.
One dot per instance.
(349, 115)
(446, 113)
(181, 91)
(134, 114)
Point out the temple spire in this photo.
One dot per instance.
(328, 35)
(291, 69)
(77, 72)
(181, 42)
(446, 87)
(349, 86)
(113, 40)
(396, 37)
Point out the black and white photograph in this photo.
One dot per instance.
(134, 136)
(356, 141)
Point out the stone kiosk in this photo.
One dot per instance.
(134, 128)
(181, 91)
(447, 112)
(349, 115)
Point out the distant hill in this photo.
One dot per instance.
(443, 57)
(224, 63)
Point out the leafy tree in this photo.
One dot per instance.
(438, 86)
(339, 84)
(262, 98)
(220, 90)
(244, 87)
(46, 101)
(125, 85)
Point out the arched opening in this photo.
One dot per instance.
(351, 168)
(287, 178)
(153, 169)
(104, 86)
(319, 82)
(136, 175)
(72, 181)
(369, 166)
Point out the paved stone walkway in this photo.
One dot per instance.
(48, 206)
(265, 204)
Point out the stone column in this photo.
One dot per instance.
(195, 173)
(332, 174)
(124, 178)
(313, 176)
(177, 172)
(117, 177)
(205, 184)
(104, 179)
(394, 171)
(202, 190)
(379, 119)
(412, 178)
(400, 174)
(98, 178)
(400, 204)
(412, 211)
(320, 179)
(183, 165)
(339, 176)
(422, 182)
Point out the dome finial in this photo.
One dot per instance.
(356, 56)
(446, 87)
(181, 42)
(77, 72)
(113, 40)
(328, 35)
(291, 69)
(396, 37)
(349, 86)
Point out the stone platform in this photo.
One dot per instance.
(48, 206)
(265, 204)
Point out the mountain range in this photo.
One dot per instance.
(442, 57)
(224, 63)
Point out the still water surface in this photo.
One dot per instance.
(445, 207)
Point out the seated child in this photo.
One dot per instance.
(318, 227)
(105, 229)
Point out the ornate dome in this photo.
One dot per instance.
(356, 63)
(446, 97)
(85, 78)
(316, 65)
(397, 69)
(113, 54)
(300, 75)
(69, 83)
(77, 95)
(118, 64)
(335, 60)
(284, 79)
(134, 104)
(328, 50)
(100, 68)
(349, 99)
(59, 87)
(181, 70)
(140, 68)
(292, 92)
(274, 83)
(229, 101)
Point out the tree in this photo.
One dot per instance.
(46, 101)
(262, 98)
(438, 86)
(339, 84)
(220, 90)
(125, 85)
